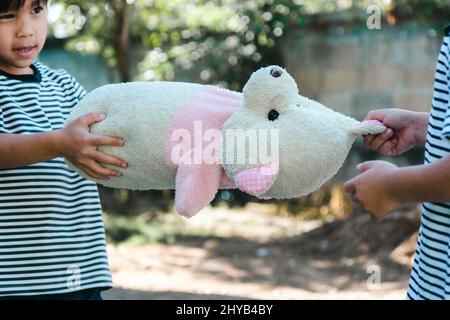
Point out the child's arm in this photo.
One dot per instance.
(73, 142)
(427, 182)
(19, 150)
(382, 186)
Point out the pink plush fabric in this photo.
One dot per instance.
(197, 184)
(258, 180)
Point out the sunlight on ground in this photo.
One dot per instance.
(256, 221)
(249, 253)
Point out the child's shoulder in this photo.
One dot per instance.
(48, 72)
(56, 77)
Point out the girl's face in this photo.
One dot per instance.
(22, 36)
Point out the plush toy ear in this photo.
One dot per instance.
(196, 186)
(368, 127)
(256, 181)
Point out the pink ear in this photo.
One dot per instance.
(258, 180)
(196, 186)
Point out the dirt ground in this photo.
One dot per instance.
(343, 259)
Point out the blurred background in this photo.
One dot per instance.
(352, 55)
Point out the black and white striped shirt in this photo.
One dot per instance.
(52, 236)
(430, 275)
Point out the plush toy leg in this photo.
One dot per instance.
(368, 127)
(196, 186)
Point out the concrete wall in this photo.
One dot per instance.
(360, 70)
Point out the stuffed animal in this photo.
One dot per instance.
(185, 136)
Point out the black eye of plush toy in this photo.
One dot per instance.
(275, 72)
(273, 115)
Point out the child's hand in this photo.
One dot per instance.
(79, 146)
(405, 130)
(371, 189)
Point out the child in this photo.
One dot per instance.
(381, 186)
(52, 241)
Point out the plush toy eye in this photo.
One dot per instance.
(298, 105)
(275, 72)
(273, 115)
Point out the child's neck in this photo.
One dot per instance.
(16, 71)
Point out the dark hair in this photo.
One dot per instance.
(15, 5)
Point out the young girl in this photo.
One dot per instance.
(52, 241)
(381, 186)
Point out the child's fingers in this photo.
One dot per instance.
(358, 204)
(376, 143)
(376, 115)
(355, 199)
(101, 157)
(367, 140)
(388, 147)
(92, 174)
(92, 117)
(103, 171)
(372, 140)
(108, 141)
(349, 186)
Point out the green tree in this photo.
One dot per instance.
(434, 12)
(223, 41)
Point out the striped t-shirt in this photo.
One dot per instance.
(52, 236)
(430, 274)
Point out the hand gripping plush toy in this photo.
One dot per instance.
(171, 128)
